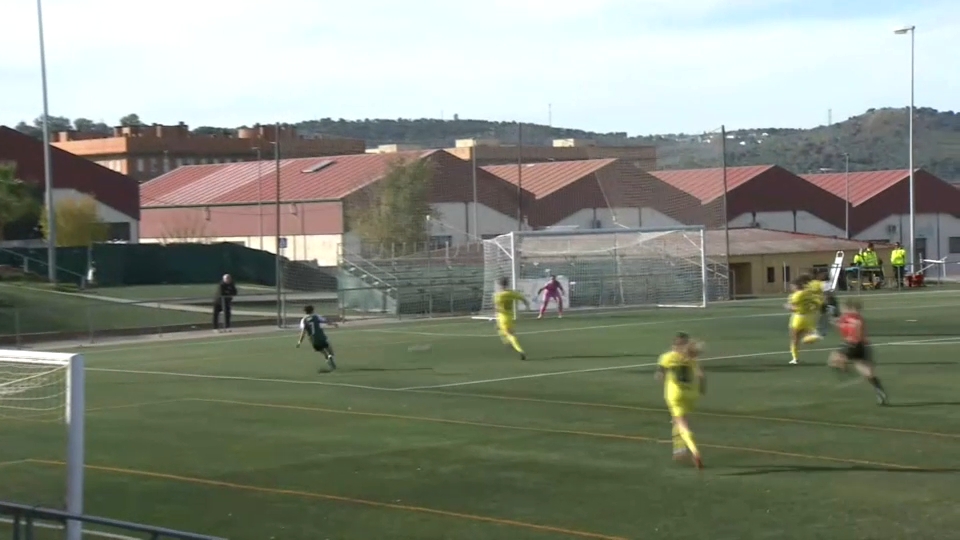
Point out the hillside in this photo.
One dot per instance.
(875, 140)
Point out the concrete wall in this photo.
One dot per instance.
(934, 230)
(757, 266)
(323, 248)
(800, 221)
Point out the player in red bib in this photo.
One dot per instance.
(856, 348)
(553, 290)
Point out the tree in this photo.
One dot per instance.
(131, 120)
(78, 222)
(189, 228)
(85, 125)
(27, 129)
(57, 123)
(395, 210)
(18, 200)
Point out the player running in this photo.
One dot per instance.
(805, 306)
(683, 382)
(553, 290)
(312, 325)
(856, 348)
(505, 301)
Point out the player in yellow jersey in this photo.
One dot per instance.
(683, 382)
(805, 306)
(505, 301)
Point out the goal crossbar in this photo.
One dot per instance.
(19, 367)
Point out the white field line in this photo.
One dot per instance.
(783, 313)
(200, 340)
(474, 382)
(86, 532)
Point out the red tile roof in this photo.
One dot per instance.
(250, 182)
(863, 185)
(707, 184)
(109, 187)
(542, 179)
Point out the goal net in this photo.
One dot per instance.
(37, 388)
(617, 268)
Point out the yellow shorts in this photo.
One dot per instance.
(505, 324)
(803, 323)
(680, 403)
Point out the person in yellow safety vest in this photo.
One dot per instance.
(870, 262)
(858, 258)
(898, 258)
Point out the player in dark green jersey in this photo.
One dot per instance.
(312, 325)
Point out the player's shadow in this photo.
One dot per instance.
(760, 471)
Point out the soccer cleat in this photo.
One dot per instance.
(812, 338)
(698, 463)
(794, 362)
(882, 398)
(523, 356)
(331, 364)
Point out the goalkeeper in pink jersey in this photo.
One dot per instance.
(553, 290)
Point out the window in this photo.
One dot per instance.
(440, 242)
(954, 244)
(771, 274)
(786, 274)
(141, 166)
(118, 231)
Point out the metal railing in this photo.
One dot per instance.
(26, 520)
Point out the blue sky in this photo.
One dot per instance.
(641, 66)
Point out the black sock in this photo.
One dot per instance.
(876, 383)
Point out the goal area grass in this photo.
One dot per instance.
(435, 430)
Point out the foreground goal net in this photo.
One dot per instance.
(45, 387)
(614, 268)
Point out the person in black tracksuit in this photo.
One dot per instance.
(226, 290)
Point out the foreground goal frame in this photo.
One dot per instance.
(75, 400)
(509, 246)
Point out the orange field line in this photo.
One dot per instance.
(617, 436)
(779, 419)
(338, 498)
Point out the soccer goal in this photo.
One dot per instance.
(606, 268)
(44, 387)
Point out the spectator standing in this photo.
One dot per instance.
(223, 301)
(898, 258)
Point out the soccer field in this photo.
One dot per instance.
(433, 430)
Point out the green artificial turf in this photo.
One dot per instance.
(239, 436)
(28, 311)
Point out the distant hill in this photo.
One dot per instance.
(875, 140)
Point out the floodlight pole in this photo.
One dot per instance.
(912, 30)
(476, 217)
(846, 197)
(47, 159)
(259, 193)
(279, 268)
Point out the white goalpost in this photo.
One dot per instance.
(42, 386)
(607, 268)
